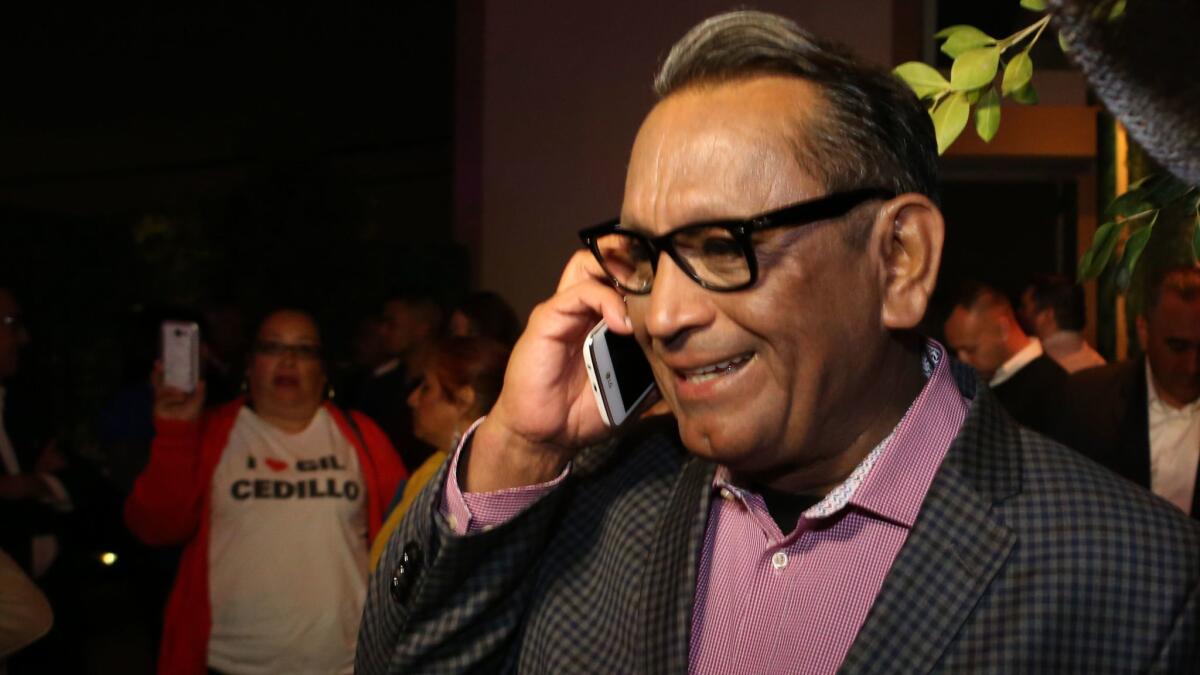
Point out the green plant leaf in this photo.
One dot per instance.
(1117, 11)
(923, 79)
(1017, 73)
(950, 30)
(949, 119)
(1196, 236)
(965, 39)
(1163, 188)
(1131, 203)
(1103, 243)
(1133, 250)
(987, 115)
(1062, 43)
(1026, 95)
(975, 68)
(1034, 5)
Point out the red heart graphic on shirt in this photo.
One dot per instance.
(277, 464)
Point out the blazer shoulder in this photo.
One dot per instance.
(1063, 491)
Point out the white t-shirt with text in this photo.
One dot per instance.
(287, 550)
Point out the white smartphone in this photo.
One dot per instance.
(620, 375)
(181, 354)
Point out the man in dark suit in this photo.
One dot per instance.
(409, 325)
(983, 331)
(832, 492)
(1141, 417)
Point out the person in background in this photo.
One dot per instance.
(486, 314)
(460, 382)
(1141, 417)
(25, 615)
(39, 488)
(984, 333)
(275, 498)
(409, 326)
(1052, 308)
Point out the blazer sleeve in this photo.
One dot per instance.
(1181, 652)
(440, 602)
(164, 507)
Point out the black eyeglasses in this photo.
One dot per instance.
(300, 352)
(718, 255)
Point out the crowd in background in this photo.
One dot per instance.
(260, 495)
(254, 496)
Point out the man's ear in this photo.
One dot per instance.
(908, 237)
(464, 398)
(1143, 331)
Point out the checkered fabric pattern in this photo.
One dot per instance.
(1025, 558)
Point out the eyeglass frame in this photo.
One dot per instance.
(798, 214)
(300, 352)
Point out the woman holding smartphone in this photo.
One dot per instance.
(275, 498)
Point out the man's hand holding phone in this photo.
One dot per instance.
(546, 411)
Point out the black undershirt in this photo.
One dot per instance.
(785, 507)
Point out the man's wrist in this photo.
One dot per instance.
(498, 459)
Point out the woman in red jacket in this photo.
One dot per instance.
(275, 499)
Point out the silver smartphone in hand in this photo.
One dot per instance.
(181, 354)
(621, 379)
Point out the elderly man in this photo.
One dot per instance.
(1141, 417)
(832, 491)
(984, 332)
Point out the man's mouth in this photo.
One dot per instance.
(715, 370)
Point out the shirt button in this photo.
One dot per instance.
(452, 521)
(779, 560)
(726, 494)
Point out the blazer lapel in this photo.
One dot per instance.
(669, 583)
(1133, 411)
(952, 553)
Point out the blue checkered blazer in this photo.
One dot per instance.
(1026, 558)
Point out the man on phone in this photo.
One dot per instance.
(833, 491)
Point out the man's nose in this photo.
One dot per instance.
(677, 304)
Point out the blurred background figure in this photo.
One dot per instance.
(409, 326)
(1141, 417)
(1052, 308)
(459, 384)
(485, 314)
(366, 354)
(25, 613)
(37, 484)
(275, 499)
(984, 333)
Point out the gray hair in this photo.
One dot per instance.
(875, 133)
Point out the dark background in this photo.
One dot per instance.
(154, 155)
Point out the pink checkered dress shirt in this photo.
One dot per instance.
(767, 602)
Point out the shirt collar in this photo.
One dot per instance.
(1064, 341)
(1157, 405)
(890, 481)
(1016, 362)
